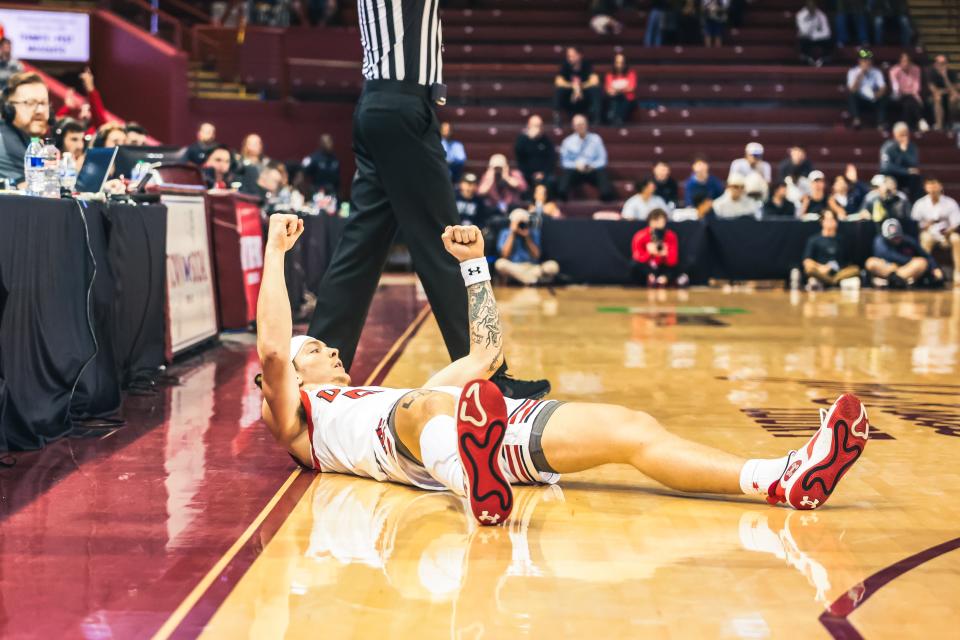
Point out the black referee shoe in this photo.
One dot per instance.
(519, 389)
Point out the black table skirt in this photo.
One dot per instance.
(79, 293)
(598, 251)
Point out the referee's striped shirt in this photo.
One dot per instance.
(402, 40)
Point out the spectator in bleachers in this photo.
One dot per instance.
(601, 17)
(666, 185)
(656, 17)
(713, 13)
(851, 11)
(269, 181)
(857, 190)
(645, 200)
(778, 207)
(840, 201)
(795, 165)
(69, 136)
(502, 186)
(620, 85)
(702, 207)
(206, 142)
(136, 134)
(91, 112)
(251, 152)
(756, 187)
(656, 253)
(577, 88)
(29, 102)
(752, 162)
(900, 158)
(825, 262)
(885, 201)
(700, 181)
(110, 135)
(689, 28)
(583, 158)
(542, 205)
(470, 206)
(813, 32)
(939, 218)
(734, 203)
(9, 65)
(815, 202)
(217, 167)
(322, 167)
(867, 90)
(898, 261)
(536, 156)
(905, 89)
(944, 92)
(894, 10)
(519, 248)
(456, 154)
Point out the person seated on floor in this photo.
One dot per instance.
(816, 201)
(778, 207)
(825, 262)
(899, 262)
(577, 89)
(583, 158)
(656, 254)
(28, 103)
(884, 201)
(939, 218)
(542, 205)
(666, 186)
(735, 203)
(701, 181)
(519, 249)
(645, 200)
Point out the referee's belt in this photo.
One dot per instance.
(435, 93)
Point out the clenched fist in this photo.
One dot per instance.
(463, 243)
(284, 231)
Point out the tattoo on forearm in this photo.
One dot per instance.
(485, 330)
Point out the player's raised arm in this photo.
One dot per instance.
(486, 336)
(281, 390)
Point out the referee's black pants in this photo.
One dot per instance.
(402, 181)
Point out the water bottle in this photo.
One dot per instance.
(794, 279)
(51, 170)
(68, 172)
(33, 167)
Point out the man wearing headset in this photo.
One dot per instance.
(26, 114)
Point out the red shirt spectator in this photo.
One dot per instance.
(641, 249)
(74, 106)
(620, 82)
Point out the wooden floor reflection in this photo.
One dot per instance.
(610, 554)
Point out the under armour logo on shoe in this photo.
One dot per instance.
(807, 502)
(486, 517)
(473, 271)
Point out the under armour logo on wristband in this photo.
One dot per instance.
(474, 271)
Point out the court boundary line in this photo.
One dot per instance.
(836, 619)
(187, 605)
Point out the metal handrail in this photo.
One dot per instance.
(158, 14)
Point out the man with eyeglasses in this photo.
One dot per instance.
(26, 114)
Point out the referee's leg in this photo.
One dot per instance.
(405, 143)
(347, 288)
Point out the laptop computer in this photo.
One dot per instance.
(96, 169)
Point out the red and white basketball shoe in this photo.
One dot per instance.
(481, 427)
(813, 472)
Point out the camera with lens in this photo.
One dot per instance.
(523, 226)
(657, 237)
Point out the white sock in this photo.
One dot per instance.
(757, 475)
(441, 458)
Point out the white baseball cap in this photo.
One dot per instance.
(878, 180)
(816, 175)
(754, 149)
(296, 343)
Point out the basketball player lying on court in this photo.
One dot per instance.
(458, 433)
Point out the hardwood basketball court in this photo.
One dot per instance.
(611, 553)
